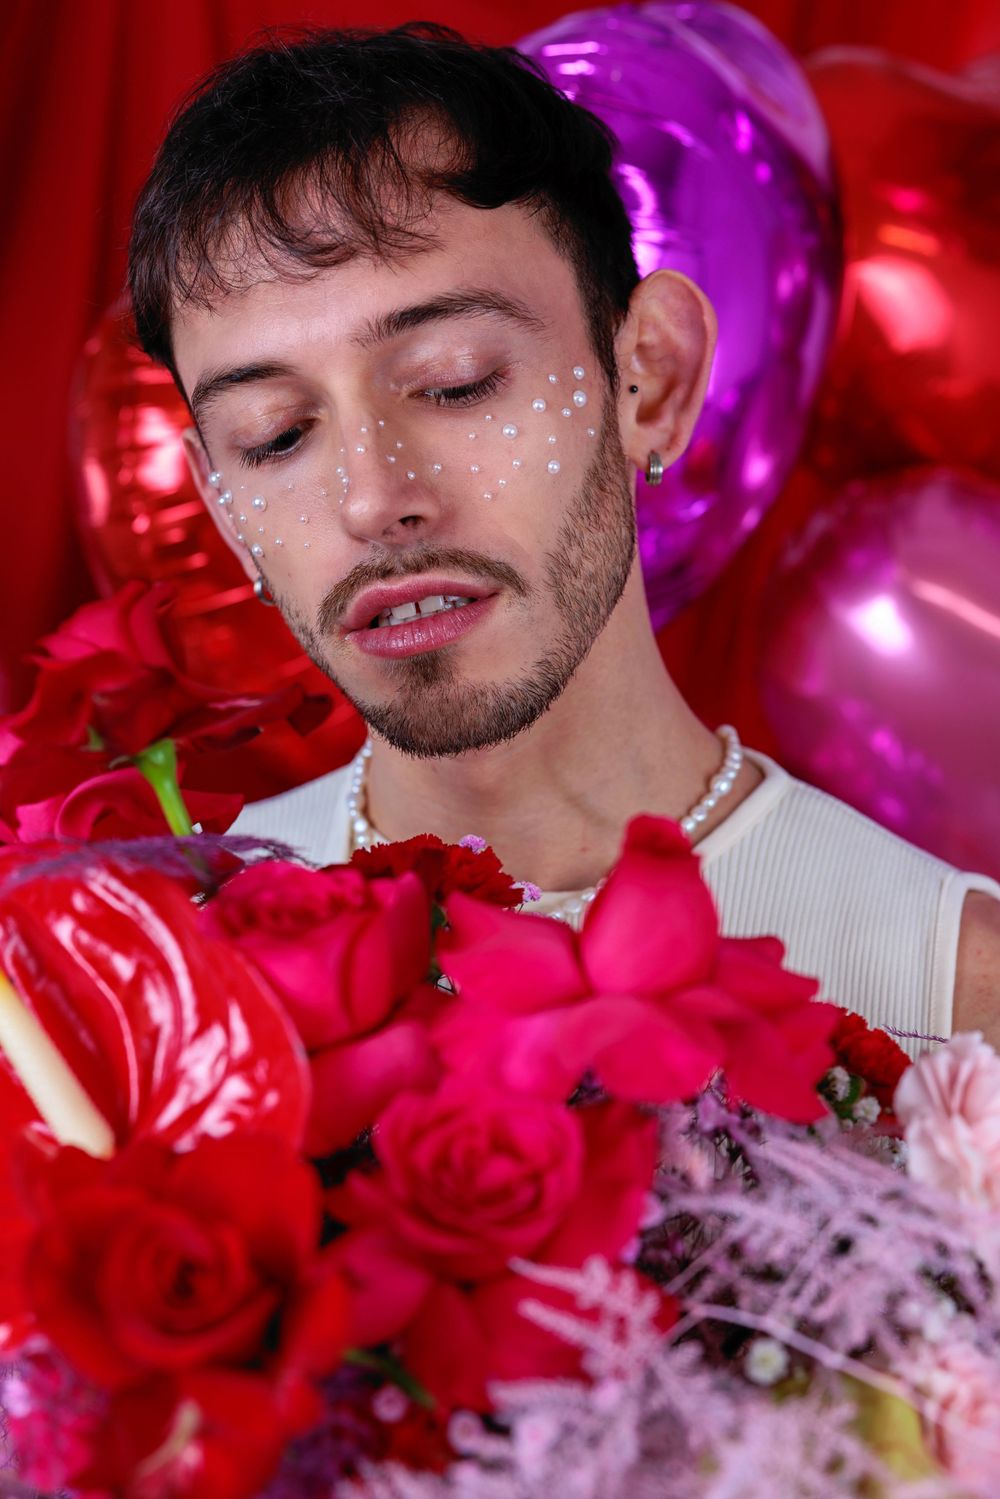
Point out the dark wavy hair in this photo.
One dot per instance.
(313, 148)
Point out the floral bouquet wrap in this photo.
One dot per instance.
(366, 1182)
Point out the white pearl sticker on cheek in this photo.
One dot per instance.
(512, 445)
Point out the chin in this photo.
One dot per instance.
(444, 713)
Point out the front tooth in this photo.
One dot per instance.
(403, 612)
(432, 604)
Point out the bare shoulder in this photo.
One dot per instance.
(977, 973)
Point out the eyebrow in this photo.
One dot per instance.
(374, 331)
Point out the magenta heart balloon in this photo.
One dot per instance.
(880, 665)
(724, 168)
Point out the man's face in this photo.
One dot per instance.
(439, 424)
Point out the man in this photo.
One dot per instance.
(395, 285)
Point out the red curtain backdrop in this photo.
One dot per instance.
(86, 87)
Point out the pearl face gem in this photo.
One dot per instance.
(552, 437)
(538, 404)
(304, 520)
(566, 411)
(258, 502)
(361, 448)
(256, 550)
(435, 468)
(578, 372)
(473, 468)
(390, 457)
(553, 466)
(553, 379)
(517, 463)
(579, 398)
(215, 478)
(509, 430)
(410, 474)
(591, 431)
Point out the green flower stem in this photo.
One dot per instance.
(158, 764)
(392, 1370)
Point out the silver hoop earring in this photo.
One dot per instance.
(260, 592)
(654, 468)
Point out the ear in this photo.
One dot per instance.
(222, 516)
(665, 346)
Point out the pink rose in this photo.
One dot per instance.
(648, 995)
(948, 1103)
(470, 1177)
(415, 1240)
(348, 956)
(962, 1412)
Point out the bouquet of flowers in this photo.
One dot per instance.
(366, 1181)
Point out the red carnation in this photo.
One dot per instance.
(870, 1054)
(443, 867)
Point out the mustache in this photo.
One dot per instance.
(473, 565)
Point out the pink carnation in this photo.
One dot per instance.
(961, 1411)
(949, 1105)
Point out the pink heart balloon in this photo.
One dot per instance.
(724, 168)
(880, 667)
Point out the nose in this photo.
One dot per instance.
(389, 495)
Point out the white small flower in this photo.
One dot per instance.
(837, 1082)
(867, 1109)
(766, 1362)
(390, 1404)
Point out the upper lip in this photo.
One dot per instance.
(371, 601)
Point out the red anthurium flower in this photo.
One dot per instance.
(169, 1030)
(648, 996)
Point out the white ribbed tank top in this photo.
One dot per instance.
(875, 919)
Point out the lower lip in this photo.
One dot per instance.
(423, 633)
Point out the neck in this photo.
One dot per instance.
(553, 802)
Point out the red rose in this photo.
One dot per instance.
(470, 1177)
(109, 671)
(418, 1254)
(443, 868)
(870, 1054)
(647, 995)
(157, 1262)
(108, 687)
(345, 954)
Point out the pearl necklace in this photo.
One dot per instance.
(363, 835)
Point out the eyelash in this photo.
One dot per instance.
(443, 396)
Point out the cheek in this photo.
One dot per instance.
(532, 443)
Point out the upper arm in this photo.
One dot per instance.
(977, 971)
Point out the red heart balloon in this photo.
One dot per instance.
(915, 374)
(141, 517)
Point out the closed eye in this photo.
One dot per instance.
(279, 447)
